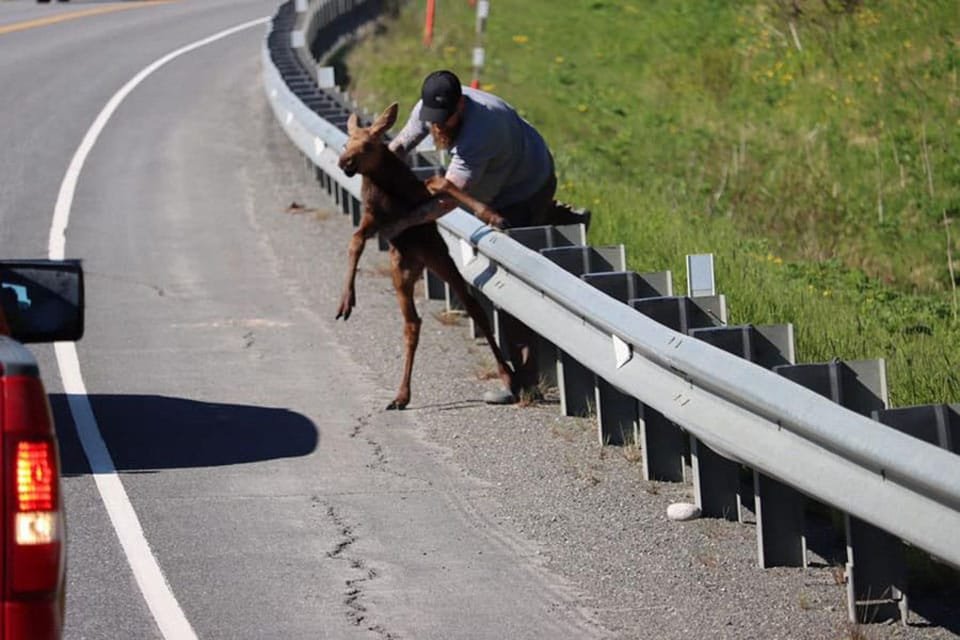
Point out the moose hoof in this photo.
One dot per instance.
(396, 405)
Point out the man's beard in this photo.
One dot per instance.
(442, 138)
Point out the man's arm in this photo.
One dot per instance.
(413, 132)
(447, 197)
(431, 210)
(441, 185)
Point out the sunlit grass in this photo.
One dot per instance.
(817, 155)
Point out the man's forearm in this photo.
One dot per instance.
(429, 211)
(396, 145)
(409, 137)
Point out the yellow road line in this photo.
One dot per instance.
(63, 17)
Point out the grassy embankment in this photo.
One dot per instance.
(812, 146)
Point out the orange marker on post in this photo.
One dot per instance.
(428, 24)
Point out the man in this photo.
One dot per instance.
(495, 155)
(499, 158)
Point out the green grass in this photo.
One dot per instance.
(815, 152)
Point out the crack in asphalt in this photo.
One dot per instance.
(380, 460)
(357, 612)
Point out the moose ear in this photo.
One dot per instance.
(351, 124)
(385, 120)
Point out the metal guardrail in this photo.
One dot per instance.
(747, 414)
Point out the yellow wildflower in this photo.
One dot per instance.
(521, 39)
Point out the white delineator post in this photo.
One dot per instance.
(483, 11)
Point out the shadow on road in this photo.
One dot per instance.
(146, 433)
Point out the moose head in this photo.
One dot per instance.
(365, 147)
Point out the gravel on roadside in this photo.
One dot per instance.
(584, 507)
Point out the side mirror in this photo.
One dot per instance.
(42, 300)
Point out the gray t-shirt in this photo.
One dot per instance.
(497, 157)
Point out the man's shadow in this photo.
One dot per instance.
(148, 433)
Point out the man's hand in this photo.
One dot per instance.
(439, 184)
(492, 218)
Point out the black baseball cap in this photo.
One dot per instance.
(440, 94)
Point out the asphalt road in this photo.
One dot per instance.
(246, 427)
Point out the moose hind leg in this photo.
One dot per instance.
(405, 274)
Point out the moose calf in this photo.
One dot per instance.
(390, 191)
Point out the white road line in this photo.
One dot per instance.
(156, 590)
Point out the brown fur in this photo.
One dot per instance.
(389, 192)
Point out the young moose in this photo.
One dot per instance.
(390, 191)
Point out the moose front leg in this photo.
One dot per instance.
(358, 241)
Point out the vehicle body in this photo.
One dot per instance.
(40, 301)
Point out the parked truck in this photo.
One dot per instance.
(40, 301)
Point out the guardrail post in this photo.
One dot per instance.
(538, 239)
(325, 77)
(876, 573)
(782, 532)
(335, 191)
(768, 345)
(323, 180)
(680, 313)
(877, 586)
(701, 281)
(356, 211)
(620, 417)
(331, 186)
(577, 260)
(719, 487)
(344, 200)
(436, 288)
(683, 313)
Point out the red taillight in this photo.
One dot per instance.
(32, 513)
(36, 477)
(35, 518)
